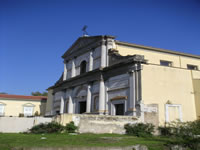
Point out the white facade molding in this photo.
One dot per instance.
(167, 111)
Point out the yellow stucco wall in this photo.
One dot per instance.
(191, 61)
(15, 107)
(196, 84)
(176, 85)
(154, 57)
(161, 85)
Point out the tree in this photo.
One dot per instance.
(3, 93)
(37, 93)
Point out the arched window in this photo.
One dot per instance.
(83, 67)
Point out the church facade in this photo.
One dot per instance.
(109, 77)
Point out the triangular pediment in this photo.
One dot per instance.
(80, 43)
(84, 42)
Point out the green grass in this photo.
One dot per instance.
(8, 141)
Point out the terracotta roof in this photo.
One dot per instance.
(20, 97)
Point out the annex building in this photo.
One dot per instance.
(108, 77)
(21, 105)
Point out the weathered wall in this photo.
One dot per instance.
(97, 123)
(151, 114)
(16, 124)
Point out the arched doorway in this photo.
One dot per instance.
(81, 104)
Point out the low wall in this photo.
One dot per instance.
(20, 124)
(97, 123)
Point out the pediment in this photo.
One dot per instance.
(81, 43)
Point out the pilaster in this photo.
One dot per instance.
(62, 103)
(101, 96)
(132, 93)
(70, 105)
(73, 68)
(103, 54)
(135, 93)
(65, 71)
(91, 61)
(89, 98)
(106, 99)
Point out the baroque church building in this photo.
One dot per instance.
(108, 77)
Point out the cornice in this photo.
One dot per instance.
(157, 49)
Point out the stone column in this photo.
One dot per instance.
(65, 71)
(135, 96)
(91, 61)
(89, 98)
(62, 103)
(70, 105)
(103, 54)
(106, 99)
(132, 93)
(101, 96)
(109, 45)
(73, 69)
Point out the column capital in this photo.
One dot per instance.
(103, 42)
(101, 78)
(131, 71)
(135, 67)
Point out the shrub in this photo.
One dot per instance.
(187, 132)
(139, 129)
(36, 113)
(165, 131)
(70, 127)
(21, 115)
(51, 127)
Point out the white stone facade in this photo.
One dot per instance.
(104, 87)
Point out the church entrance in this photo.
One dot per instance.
(119, 109)
(82, 107)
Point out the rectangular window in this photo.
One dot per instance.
(192, 67)
(28, 111)
(2, 110)
(173, 112)
(165, 63)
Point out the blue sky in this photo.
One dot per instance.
(35, 33)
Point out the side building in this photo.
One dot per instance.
(109, 77)
(20, 105)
